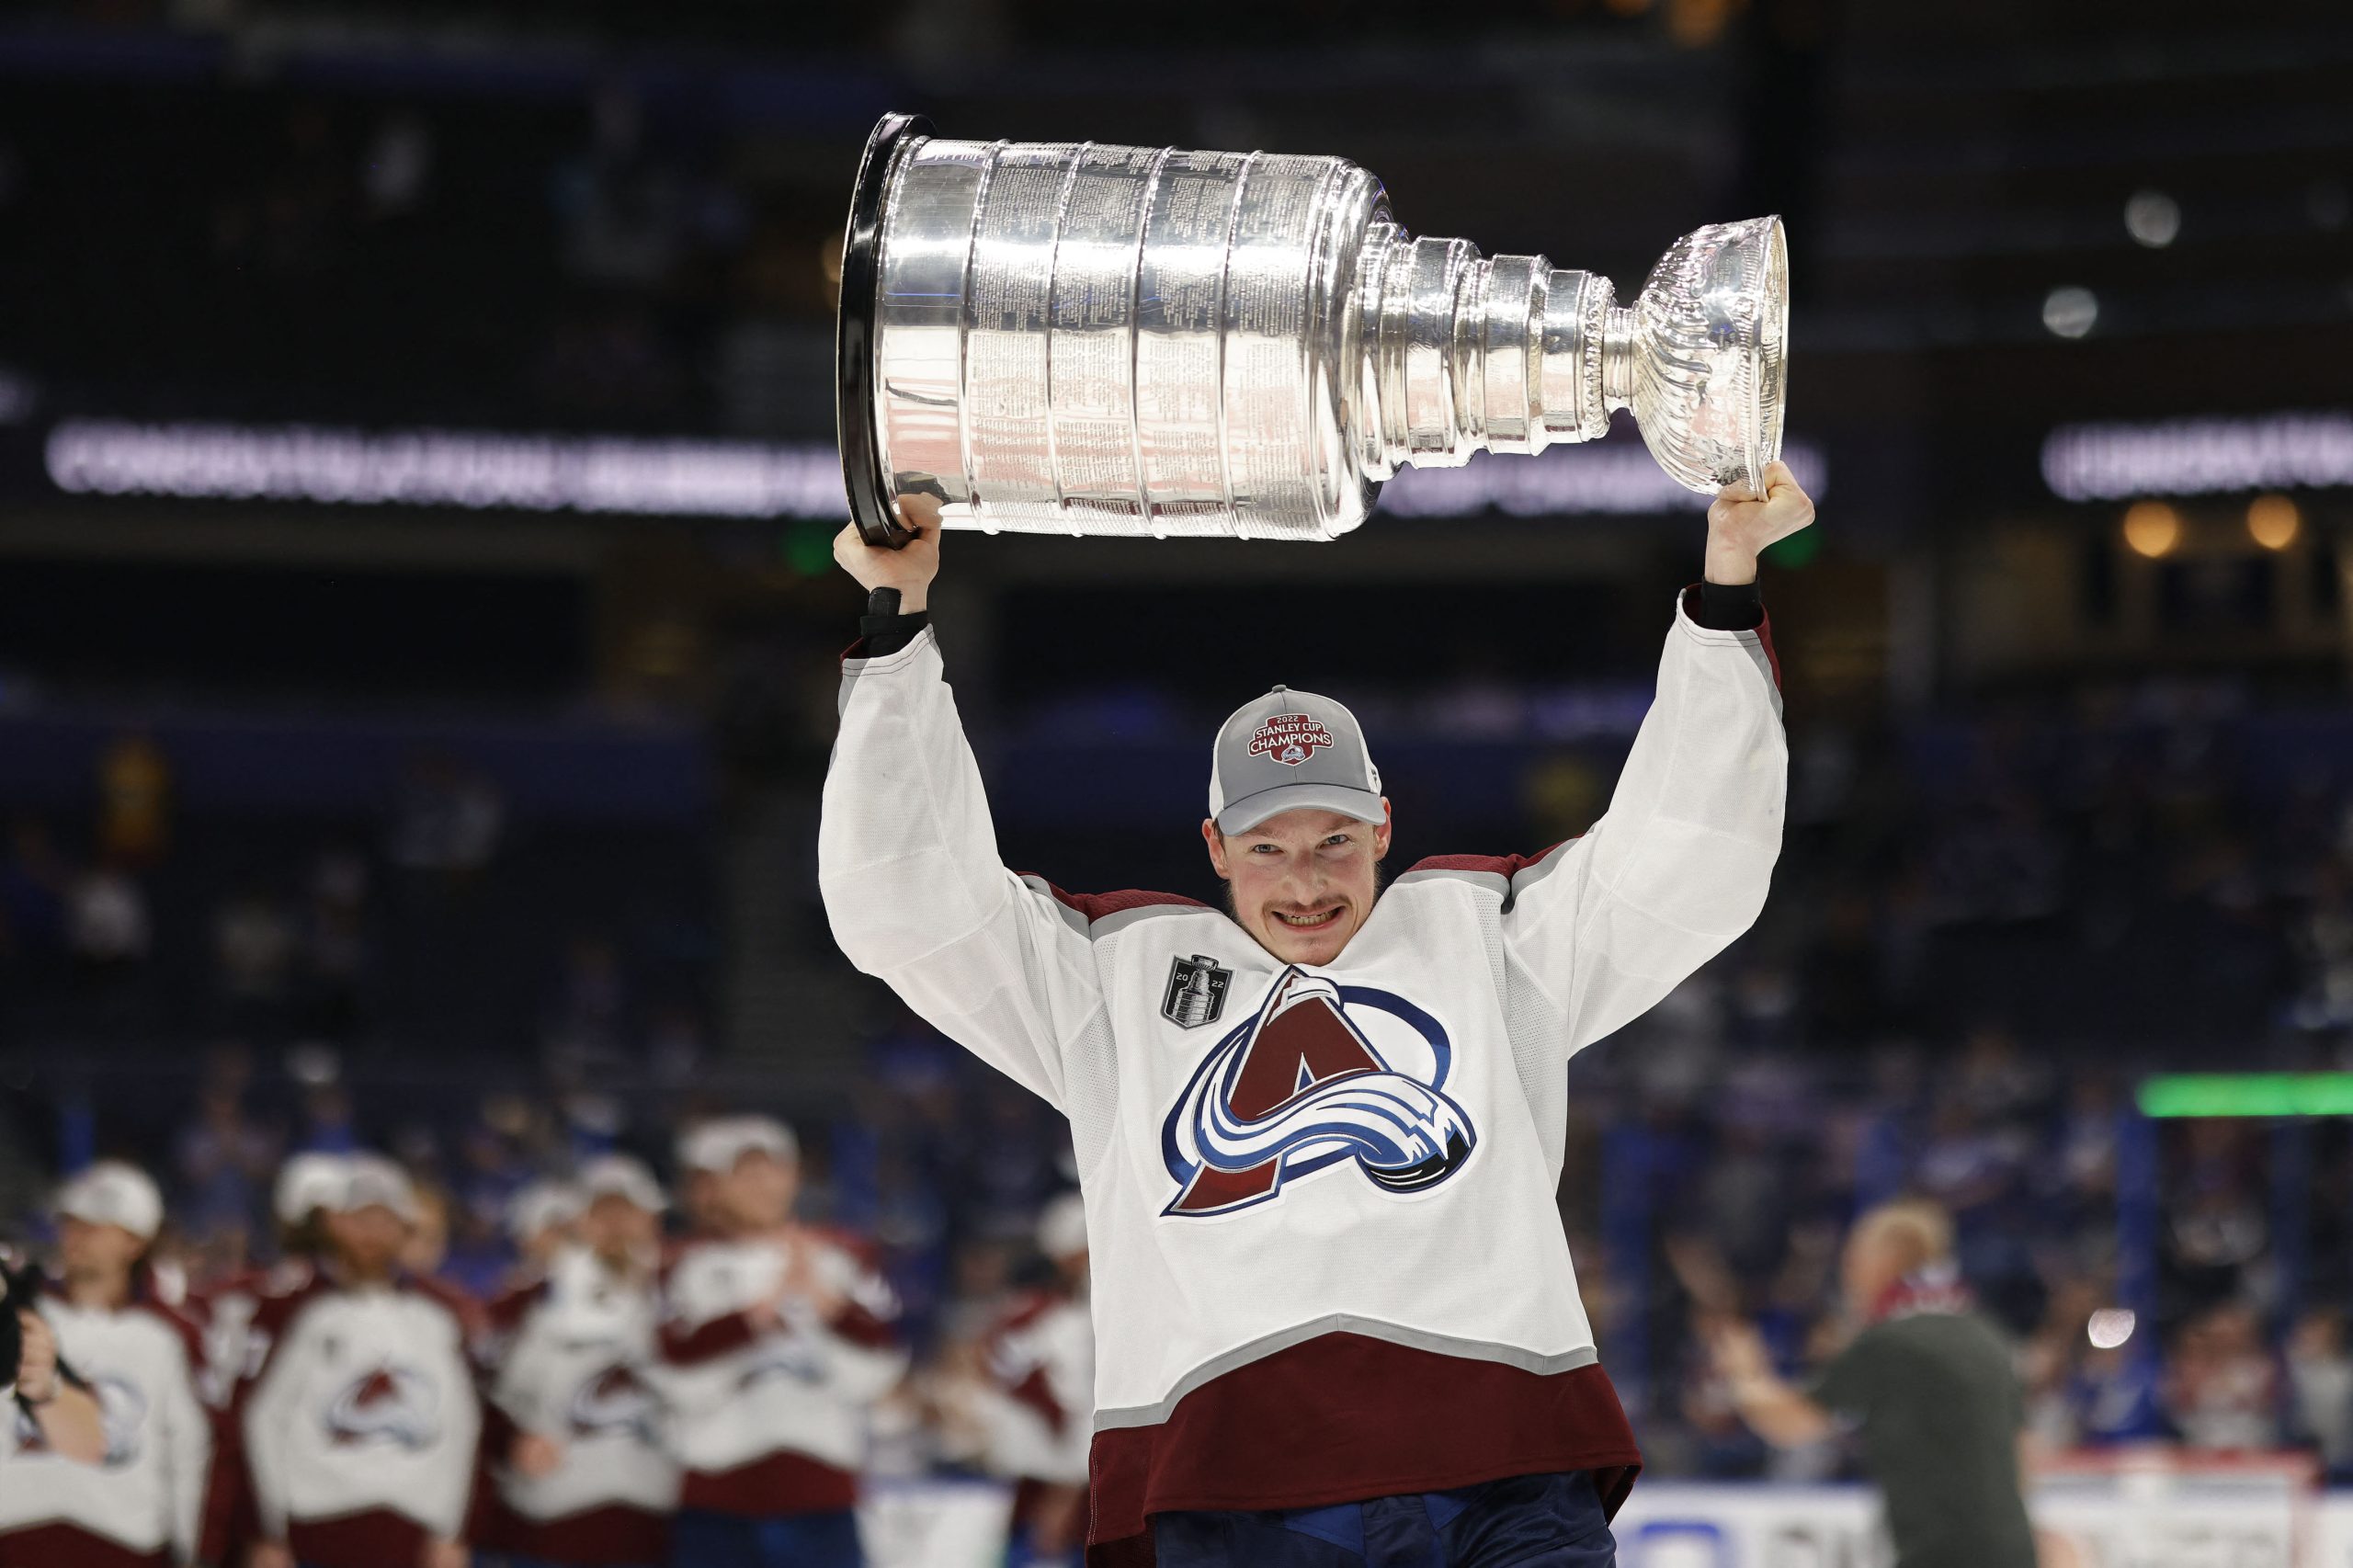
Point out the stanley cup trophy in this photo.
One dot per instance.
(1057, 337)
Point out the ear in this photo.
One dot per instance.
(1216, 842)
(1381, 834)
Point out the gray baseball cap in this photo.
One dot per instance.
(1287, 750)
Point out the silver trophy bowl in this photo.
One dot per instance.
(1069, 338)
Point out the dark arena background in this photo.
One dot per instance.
(418, 639)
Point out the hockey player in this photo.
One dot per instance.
(306, 1184)
(1039, 1400)
(140, 1504)
(539, 1221)
(775, 1339)
(583, 1478)
(359, 1429)
(1320, 1135)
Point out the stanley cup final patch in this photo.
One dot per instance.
(1196, 994)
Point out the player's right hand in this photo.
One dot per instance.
(909, 569)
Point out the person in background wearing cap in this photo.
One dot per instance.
(573, 1425)
(1034, 1407)
(775, 1339)
(541, 1220)
(140, 1504)
(234, 1348)
(358, 1431)
(1321, 1131)
(306, 1184)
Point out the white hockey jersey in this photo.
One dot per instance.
(572, 1359)
(146, 1496)
(1327, 1260)
(770, 1419)
(1037, 1411)
(355, 1439)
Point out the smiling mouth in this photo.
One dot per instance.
(1315, 922)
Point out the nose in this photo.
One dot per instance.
(1302, 886)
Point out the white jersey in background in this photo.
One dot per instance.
(144, 1501)
(357, 1437)
(569, 1357)
(1327, 1260)
(1037, 1408)
(769, 1420)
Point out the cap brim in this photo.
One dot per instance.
(1242, 815)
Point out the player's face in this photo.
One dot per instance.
(760, 1189)
(367, 1240)
(1303, 881)
(614, 1228)
(91, 1251)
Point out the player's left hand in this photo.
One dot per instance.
(1741, 526)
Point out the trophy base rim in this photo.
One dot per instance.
(871, 504)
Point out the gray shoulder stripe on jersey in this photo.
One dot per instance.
(1216, 1367)
(1043, 889)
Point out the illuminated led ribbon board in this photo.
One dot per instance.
(2248, 1093)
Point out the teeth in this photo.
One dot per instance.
(1316, 919)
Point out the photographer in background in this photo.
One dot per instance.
(140, 1357)
(62, 1408)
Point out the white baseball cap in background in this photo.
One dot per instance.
(113, 1193)
(1287, 750)
(621, 1175)
(306, 1182)
(542, 1206)
(717, 1144)
(371, 1181)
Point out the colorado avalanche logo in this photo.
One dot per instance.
(390, 1405)
(615, 1400)
(1301, 1087)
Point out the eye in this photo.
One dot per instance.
(1265, 849)
(1335, 840)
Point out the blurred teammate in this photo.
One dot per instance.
(1321, 1131)
(306, 1185)
(575, 1425)
(540, 1220)
(359, 1430)
(775, 1339)
(1928, 1387)
(1037, 1417)
(142, 1502)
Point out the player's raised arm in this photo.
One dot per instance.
(907, 856)
(1679, 865)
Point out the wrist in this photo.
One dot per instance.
(1729, 565)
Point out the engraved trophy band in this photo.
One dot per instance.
(1073, 338)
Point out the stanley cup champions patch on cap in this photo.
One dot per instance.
(1290, 738)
